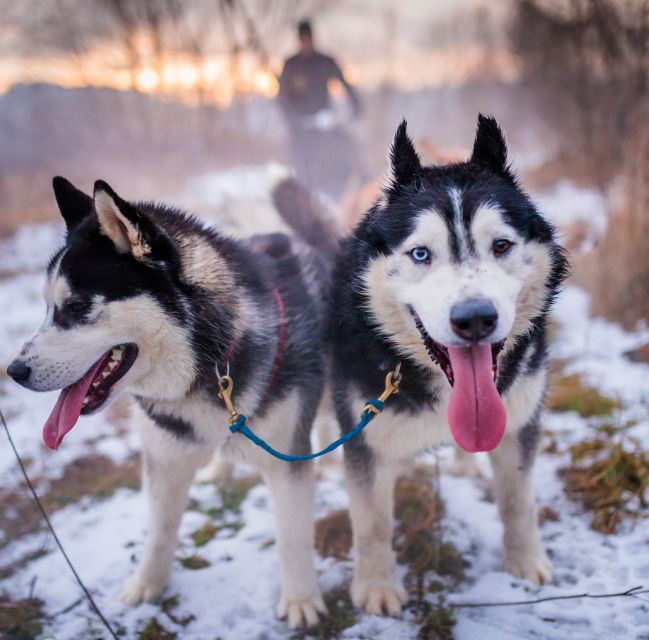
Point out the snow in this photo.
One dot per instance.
(234, 597)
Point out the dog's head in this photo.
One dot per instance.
(460, 262)
(114, 314)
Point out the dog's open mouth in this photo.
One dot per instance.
(439, 353)
(89, 394)
(476, 413)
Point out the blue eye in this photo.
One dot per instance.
(420, 255)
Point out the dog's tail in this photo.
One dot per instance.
(306, 216)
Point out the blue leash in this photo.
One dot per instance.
(371, 409)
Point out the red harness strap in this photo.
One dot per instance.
(281, 343)
(279, 353)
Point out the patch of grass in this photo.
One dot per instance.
(610, 479)
(234, 491)
(569, 393)
(418, 539)
(168, 605)
(340, 616)
(155, 631)
(203, 535)
(194, 562)
(437, 623)
(21, 619)
(333, 535)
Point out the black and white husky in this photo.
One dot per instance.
(451, 274)
(145, 299)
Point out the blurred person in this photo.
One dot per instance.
(322, 151)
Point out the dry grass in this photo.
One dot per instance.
(420, 546)
(21, 619)
(610, 479)
(569, 393)
(617, 271)
(155, 631)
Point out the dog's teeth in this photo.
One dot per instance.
(117, 353)
(95, 385)
(112, 364)
(105, 374)
(85, 401)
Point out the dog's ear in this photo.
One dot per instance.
(405, 163)
(490, 148)
(130, 230)
(74, 204)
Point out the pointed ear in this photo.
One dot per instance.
(128, 228)
(74, 205)
(405, 162)
(490, 148)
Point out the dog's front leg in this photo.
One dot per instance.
(512, 463)
(168, 471)
(375, 587)
(292, 492)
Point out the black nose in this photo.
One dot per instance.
(19, 371)
(474, 319)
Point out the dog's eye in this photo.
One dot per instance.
(501, 246)
(420, 255)
(77, 305)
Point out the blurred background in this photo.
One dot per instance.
(193, 102)
(154, 95)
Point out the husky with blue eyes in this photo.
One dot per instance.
(450, 276)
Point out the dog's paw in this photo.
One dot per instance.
(137, 589)
(378, 596)
(301, 612)
(534, 566)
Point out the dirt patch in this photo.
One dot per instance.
(333, 535)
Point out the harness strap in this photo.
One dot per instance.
(279, 352)
(281, 344)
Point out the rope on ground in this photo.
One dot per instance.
(41, 508)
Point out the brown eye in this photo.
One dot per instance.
(501, 246)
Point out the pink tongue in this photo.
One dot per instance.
(476, 413)
(67, 410)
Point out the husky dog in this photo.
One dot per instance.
(451, 274)
(145, 299)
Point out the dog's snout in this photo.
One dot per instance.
(19, 371)
(474, 319)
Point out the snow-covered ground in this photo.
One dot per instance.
(234, 597)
